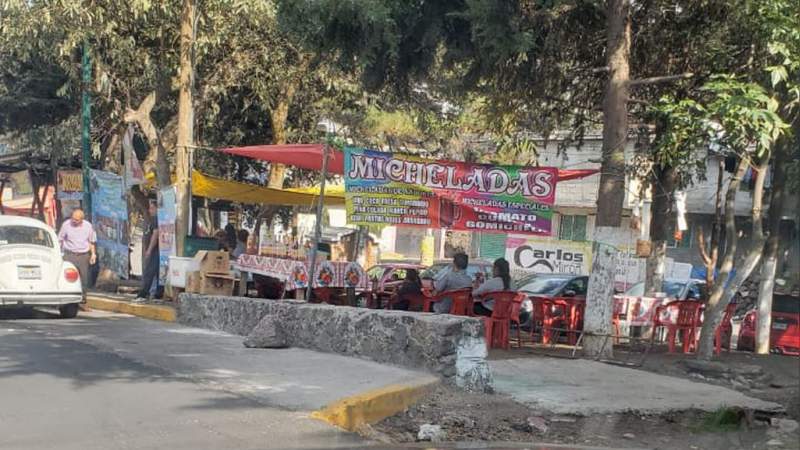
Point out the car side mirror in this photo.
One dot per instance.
(569, 293)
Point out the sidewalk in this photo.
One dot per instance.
(122, 304)
(342, 391)
(582, 387)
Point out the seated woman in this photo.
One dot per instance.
(500, 281)
(412, 285)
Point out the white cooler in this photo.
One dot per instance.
(179, 267)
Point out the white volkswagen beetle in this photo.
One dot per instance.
(32, 271)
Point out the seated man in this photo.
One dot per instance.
(456, 278)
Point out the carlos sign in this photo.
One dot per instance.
(548, 256)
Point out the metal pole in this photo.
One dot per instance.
(318, 224)
(86, 126)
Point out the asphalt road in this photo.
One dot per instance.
(61, 391)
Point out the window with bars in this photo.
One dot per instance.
(572, 228)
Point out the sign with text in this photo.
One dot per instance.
(70, 185)
(395, 189)
(526, 255)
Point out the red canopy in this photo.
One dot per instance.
(309, 156)
(304, 156)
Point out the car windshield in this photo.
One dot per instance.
(673, 289)
(543, 285)
(785, 304)
(21, 234)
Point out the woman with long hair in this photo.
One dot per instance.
(500, 281)
(412, 285)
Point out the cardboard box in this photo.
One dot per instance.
(209, 283)
(216, 285)
(193, 282)
(213, 262)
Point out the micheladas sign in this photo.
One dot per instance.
(394, 189)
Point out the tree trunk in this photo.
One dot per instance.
(611, 195)
(710, 253)
(768, 267)
(141, 116)
(723, 290)
(183, 151)
(278, 117)
(661, 226)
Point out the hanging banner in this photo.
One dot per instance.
(526, 255)
(395, 189)
(166, 230)
(70, 185)
(110, 220)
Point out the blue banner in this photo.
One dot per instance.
(110, 220)
(166, 230)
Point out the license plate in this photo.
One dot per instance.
(779, 326)
(29, 273)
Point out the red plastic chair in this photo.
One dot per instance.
(724, 325)
(687, 319)
(549, 313)
(573, 311)
(620, 311)
(416, 302)
(499, 324)
(461, 301)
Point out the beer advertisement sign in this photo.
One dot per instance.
(396, 189)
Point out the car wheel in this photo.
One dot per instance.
(68, 311)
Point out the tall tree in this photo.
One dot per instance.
(611, 195)
(185, 144)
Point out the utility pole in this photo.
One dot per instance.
(318, 224)
(183, 153)
(86, 128)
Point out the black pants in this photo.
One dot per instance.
(81, 262)
(149, 273)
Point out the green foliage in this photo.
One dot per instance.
(728, 116)
(723, 419)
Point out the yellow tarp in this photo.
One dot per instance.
(211, 187)
(335, 190)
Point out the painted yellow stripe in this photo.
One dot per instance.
(153, 312)
(373, 406)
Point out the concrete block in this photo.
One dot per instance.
(452, 347)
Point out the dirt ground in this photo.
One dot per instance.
(485, 417)
(778, 382)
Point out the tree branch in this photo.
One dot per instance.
(701, 245)
(662, 79)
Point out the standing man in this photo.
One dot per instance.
(150, 257)
(77, 238)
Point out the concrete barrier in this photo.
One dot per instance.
(450, 346)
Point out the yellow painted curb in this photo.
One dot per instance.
(153, 312)
(373, 406)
